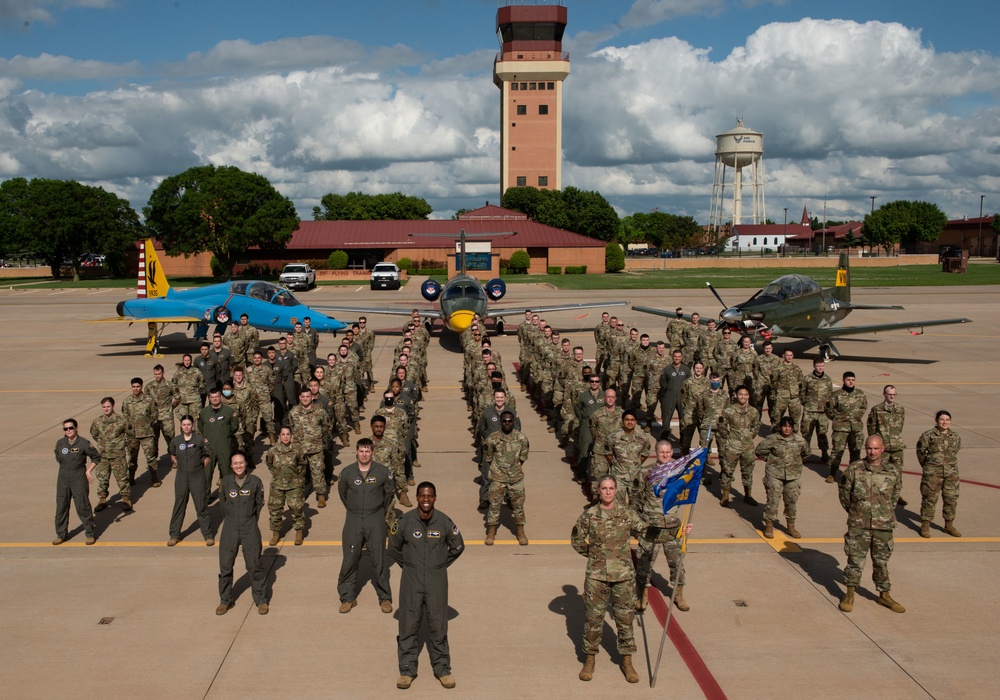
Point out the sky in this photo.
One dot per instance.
(897, 99)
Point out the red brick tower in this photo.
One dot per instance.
(529, 70)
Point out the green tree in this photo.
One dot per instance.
(996, 225)
(580, 211)
(520, 261)
(223, 210)
(905, 222)
(357, 206)
(614, 257)
(63, 219)
(659, 229)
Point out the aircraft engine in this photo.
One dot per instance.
(431, 290)
(496, 288)
(221, 315)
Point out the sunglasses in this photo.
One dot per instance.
(66, 430)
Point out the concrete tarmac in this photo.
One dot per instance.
(129, 617)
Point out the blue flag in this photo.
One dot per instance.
(679, 486)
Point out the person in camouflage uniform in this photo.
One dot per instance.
(763, 367)
(869, 490)
(301, 348)
(140, 412)
(573, 382)
(349, 388)
(937, 453)
(489, 423)
(506, 451)
(692, 388)
(722, 355)
(288, 480)
(390, 453)
(251, 341)
(237, 341)
(188, 385)
(783, 453)
(110, 439)
(223, 359)
(397, 425)
(738, 426)
(600, 340)
(655, 365)
(334, 382)
(664, 533)
(741, 365)
(261, 379)
(786, 391)
(289, 364)
(615, 338)
(626, 450)
(310, 425)
(602, 535)
(886, 420)
(692, 339)
(710, 340)
(708, 412)
(603, 422)
(161, 392)
(366, 336)
(846, 410)
(248, 410)
(675, 331)
(638, 361)
(817, 390)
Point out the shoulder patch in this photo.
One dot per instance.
(395, 528)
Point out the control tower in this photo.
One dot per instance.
(529, 70)
(740, 149)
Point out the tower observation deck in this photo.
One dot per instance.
(529, 70)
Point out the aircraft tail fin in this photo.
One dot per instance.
(842, 288)
(152, 282)
(461, 253)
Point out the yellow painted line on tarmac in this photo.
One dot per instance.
(780, 543)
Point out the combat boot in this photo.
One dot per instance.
(949, 527)
(345, 439)
(679, 601)
(155, 479)
(126, 505)
(847, 604)
(748, 497)
(630, 675)
(404, 500)
(902, 501)
(769, 530)
(792, 532)
(642, 599)
(886, 601)
(272, 439)
(587, 672)
(101, 504)
(832, 476)
(299, 537)
(925, 528)
(724, 501)
(357, 428)
(491, 535)
(275, 538)
(321, 501)
(522, 539)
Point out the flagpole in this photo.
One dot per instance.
(673, 593)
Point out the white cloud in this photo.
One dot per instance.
(29, 11)
(847, 110)
(49, 67)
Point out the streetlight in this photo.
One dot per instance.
(979, 242)
(873, 203)
(784, 242)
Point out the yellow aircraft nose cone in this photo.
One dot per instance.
(460, 320)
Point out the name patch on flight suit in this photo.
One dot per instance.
(245, 492)
(369, 479)
(434, 534)
(75, 450)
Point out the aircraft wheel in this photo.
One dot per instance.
(824, 352)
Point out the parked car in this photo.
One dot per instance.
(385, 275)
(298, 276)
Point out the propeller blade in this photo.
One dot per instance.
(724, 306)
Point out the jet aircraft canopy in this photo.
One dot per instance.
(460, 290)
(790, 287)
(264, 291)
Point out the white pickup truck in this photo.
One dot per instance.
(385, 275)
(298, 275)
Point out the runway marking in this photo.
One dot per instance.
(962, 481)
(537, 543)
(688, 653)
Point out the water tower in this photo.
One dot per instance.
(740, 149)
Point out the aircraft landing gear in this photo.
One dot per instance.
(499, 325)
(828, 351)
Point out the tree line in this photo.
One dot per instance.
(226, 211)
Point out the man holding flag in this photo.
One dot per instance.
(666, 533)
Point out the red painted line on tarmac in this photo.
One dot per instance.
(963, 481)
(696, 665)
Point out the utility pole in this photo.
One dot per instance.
(979, 243)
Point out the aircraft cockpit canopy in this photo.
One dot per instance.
(790, 287)
(264, 291)
(463, 290)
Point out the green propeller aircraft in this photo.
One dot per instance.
(795, 306)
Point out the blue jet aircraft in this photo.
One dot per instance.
(268, 306)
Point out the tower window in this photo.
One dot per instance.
(522, 181)
(513, 86)
(524, 86)
(531, 86)
(541, 86)
(543, 180)
(543, 109)
(552, 86)
(522, 109)
(755, 240)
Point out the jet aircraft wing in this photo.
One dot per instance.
(390, 311)
(491, 313)
(871, 307)
(668, 314)
(150, 319)
(837, 331)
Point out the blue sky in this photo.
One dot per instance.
(896, 99)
